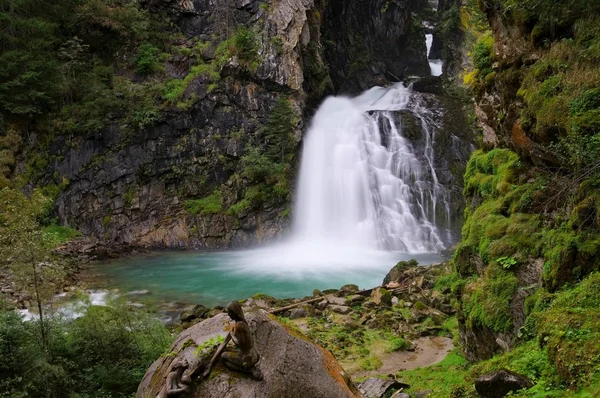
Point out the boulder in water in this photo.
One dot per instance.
(292, 366)
(499, 383)
(193, 312)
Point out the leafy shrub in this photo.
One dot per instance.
(145, 60)
(211, 204)
(56, 235)
(104, 353)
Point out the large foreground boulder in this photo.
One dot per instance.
(499, 383)
(292, 366)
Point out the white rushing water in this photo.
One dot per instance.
(365, 195)
(434, 64)
(361, 182)
(69, 309)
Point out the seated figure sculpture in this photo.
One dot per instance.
(245, 357)
(177, 383)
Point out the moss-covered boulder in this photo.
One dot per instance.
(291, 365)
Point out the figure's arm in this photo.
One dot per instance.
(216, 356)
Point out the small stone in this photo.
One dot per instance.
(498, 383)
(317, 293)
(395, 301)
(321, 305)
(298, 313)
(340, 309)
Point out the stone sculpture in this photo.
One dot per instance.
(177, 383)
(244, 357)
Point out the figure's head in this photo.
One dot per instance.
(235, 312)
(179, 363)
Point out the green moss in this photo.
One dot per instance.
(212, 204)
(371, 363)
(443, 379)
(486, 301)
(56, 235)
(238, 208)
(399, 344)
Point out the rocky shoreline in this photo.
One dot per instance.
(405, 323)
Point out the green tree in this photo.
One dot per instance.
(24, 250)
(279, 129)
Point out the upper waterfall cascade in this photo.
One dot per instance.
(363, 183)
(434, 64)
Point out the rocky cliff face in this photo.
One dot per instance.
(530, 227)
(205, 174)
(133, 188)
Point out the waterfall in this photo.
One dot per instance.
(434, 64)
(363, 184)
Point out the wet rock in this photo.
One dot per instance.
(400, 272)
(337, 300)
(298, 313)
(292, 367)
(381, 296)
(340, 309)
(142, 292)
(499, 383)
(430, 84)
(193, 312)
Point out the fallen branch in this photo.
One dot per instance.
(215, 357)
(289, 307)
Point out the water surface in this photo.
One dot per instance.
(215, 278)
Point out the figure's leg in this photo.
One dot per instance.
(233, 361)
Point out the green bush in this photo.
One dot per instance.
(146, 59)
(56, 235)
(212, 204)
(104, 353)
